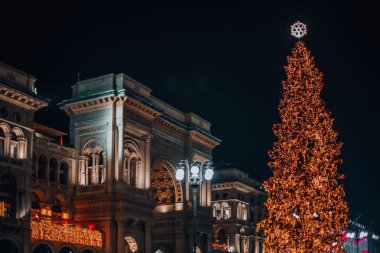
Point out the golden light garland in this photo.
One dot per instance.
(306, 207)
(50, 231)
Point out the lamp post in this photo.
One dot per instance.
(195, 172)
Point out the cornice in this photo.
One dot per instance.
(21, 99)
(171, 125)
(141, 108)
(234, 185)
(203, 139)
(93, 104)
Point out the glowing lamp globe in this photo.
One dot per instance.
(194, 169)
(209, 173)
(180, 174)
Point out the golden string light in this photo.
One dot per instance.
(50, 231)
(307, 212)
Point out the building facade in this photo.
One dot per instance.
(237, 206)
(112, 189)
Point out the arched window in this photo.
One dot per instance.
(42, 164)
(53, 165)
(238, 211)
(63, 173)
(222, 236)
(92, 165)
(131, 164)
(244, 212)
(216, 211)
(42, 248)
(226, 210)
(133, 170)
(35, 201)
(56, 205)
(13, 146)
(8, 196)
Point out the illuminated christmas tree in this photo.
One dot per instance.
(307, 211)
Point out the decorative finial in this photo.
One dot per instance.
(298, 30)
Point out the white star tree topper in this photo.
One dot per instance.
(298, 30)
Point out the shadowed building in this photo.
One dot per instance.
(113, 189)
(237, 206)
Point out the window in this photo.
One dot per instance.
(53, 165)
(56, 207)
(2, 141)
(131, 164)
(42, 164)
(226, 210)
(216, 196)
(35, 201)
(216, 211)
(34, 166)
(222, 236)
(63, 173)
(13, 146)
(225, 195)
(244, 212)
(92, 164)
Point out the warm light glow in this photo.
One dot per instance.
(2, 208)
(47, 230)
(307, 211)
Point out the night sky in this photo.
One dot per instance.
(222, 60)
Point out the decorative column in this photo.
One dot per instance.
(7, 138)
(93, 169)
(96, 169)
(148, 141)
(22, 150)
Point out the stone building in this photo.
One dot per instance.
(112, 189)
(237, 206)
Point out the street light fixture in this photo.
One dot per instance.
(196, 171)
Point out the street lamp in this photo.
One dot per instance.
(196, 172)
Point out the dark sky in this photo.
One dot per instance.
(222, 60)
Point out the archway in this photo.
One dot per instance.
(42, 248)
(166, 190)
(8, 246)
(131, 244)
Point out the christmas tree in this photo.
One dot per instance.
(306, 207)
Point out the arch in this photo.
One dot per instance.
(63, 173)
(18, 132)
(131, 244)
(42, 248)
(8, 246)
(53, 166)
(40, 193)
(244, 212)
(56, 205)
(8, 195)
(35, 201)
(91, 145)
(221, 236)
(4, 133)
(42, 166)
(163, 184)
